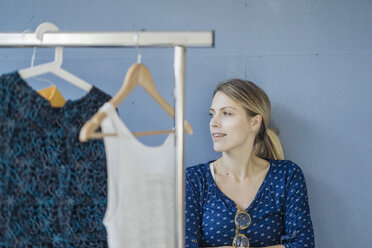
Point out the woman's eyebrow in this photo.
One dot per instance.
(223, 108)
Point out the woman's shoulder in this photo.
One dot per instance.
(288, 165)
(198, 177)
(199, 172)
(197, 169)
(285, 168)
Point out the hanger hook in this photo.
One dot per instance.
(47, 27)
(139, 56)
(34, 51)
(33, 57)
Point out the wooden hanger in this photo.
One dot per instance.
(137, 74)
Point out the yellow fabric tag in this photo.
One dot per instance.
(53, 95)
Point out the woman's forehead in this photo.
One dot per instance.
(221, 100)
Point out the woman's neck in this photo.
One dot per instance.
(240, 167)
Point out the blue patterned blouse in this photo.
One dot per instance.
(280, 211)
(52, 187)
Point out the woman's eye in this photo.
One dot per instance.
(211, 114)
(226, 113)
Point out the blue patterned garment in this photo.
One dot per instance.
(53, 189)
(280, 211)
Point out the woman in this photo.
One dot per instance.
(250, 196)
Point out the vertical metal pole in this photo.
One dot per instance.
(179, 72)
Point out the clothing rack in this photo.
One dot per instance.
(178, 40)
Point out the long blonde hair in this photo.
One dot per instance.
(255, 102)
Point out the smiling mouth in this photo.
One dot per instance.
(218, 135)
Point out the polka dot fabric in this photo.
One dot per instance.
(280, 211)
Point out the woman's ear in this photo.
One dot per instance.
(256, 123)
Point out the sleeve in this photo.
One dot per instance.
(192, 213)
(298, 225)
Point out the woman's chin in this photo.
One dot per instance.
(218, 148)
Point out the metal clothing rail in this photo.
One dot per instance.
(109, 39)
(178, 40)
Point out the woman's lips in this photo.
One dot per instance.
(217, 136)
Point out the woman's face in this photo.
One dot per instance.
(230, 126)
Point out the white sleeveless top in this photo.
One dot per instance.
(141, 188)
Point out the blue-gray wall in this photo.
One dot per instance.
(312, 57)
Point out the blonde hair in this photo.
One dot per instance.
(255, 102)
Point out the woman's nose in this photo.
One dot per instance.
(215, 121)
